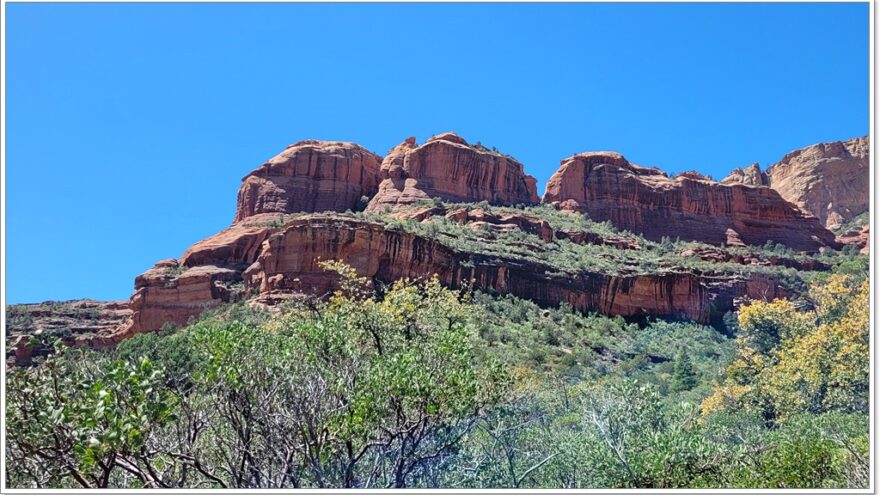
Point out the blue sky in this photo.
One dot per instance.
(129, 126)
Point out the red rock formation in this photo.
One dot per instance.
(480, 218)
(73, 321)
(606, 187)
(284, 259)
(747, 176)
(582, 237)
(860, 238)
(290, 262)
(310, 176)
(829, 180)
(275, 253)
(237, 245)
(447, 167)
(733, 239)
(169, 293)
(509, 222)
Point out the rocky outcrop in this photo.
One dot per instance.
(310, 176)
(236, 246)
(274, 247)
(748, 176)
(716, 255)
(606, 187)
(31, 329)
(449, 168)
(478, 218)
(66, 318)
(829, 180)
(290, 262)
(860, 238)
(171, 293)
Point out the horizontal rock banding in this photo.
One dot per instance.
(268, 254)
(449, 168)
(606, 187)
(310, 176)
(289, 261)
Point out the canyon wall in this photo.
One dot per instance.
(607, 187)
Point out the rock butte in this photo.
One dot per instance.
(310, 176)
(269, 254)
(449, 168)
(607, 187)
(828, 180)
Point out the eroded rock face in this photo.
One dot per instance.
(275, 261)
(171, 293)
(236, 246)
(290, 262)
(829, 180)
(606, 187)
(748, 176)
(271, 254)
(310, 176)
(447, 167)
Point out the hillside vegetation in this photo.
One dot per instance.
(417, 385)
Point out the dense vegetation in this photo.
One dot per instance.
(415, 385)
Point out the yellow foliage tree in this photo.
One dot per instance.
(793, 361)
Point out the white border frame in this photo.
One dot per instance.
(873, 301)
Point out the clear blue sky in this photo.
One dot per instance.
(129, 126)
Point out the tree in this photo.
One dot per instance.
(792, 361)
(74, 425)
(360, 393)
(654, 447)
(683, 375)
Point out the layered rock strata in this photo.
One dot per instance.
(449, 168)
(311, 176)
(826, 180)
(607, 187)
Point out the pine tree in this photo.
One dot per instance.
(683, 375)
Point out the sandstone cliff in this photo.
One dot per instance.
(310, 176)
(829, 180)
(447, 167)
(290, 259)
(273, 248)
(272, 260)
(606, 187)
